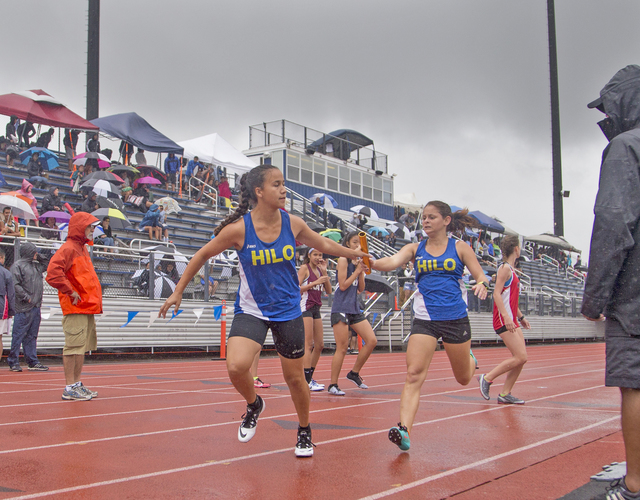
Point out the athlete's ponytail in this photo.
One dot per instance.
(508, 245)
(460, 220)
(248, 199)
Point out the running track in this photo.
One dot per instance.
(168, 430)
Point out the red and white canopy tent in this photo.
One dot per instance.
(36, 106)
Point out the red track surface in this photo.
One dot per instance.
(168, 430)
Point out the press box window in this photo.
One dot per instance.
(306, 170)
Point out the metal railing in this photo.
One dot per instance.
(199, 185)
(290, 133)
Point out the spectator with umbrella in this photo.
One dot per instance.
(89, 204)
(150, 222)
(8, 227)
(35, 171)
(106, 236)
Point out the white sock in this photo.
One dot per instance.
(77, 384)
(68, 388)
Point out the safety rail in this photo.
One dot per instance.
(200, 185)
(572, 272)
(550, 261)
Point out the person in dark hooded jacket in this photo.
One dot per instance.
(612, 289)
(52, 201)
(27, 280)
(7, 299)
(71, 272)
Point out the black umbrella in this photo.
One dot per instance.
(163, 286)
(123, 168)
(153, 172)
(105, 176)
(315, 226)
(109, 202)
(376, 283)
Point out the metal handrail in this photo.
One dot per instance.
(550, 292)
(203, 185)
(572, 272)
(551, 261)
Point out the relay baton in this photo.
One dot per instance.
(365, 248)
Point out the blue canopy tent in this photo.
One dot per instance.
(487, 222)
(340, 142)
(134, 129)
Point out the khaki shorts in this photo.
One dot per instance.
(79, 334)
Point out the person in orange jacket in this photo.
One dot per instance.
(71, 272)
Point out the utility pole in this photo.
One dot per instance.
(558, 217)
(93, 60)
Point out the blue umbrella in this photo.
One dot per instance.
(379, 230)
(324, 200)
(487, 222)
(47, 158)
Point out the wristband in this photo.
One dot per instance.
(521, 318)
(486, 285)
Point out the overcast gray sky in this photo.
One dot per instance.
(455, 92)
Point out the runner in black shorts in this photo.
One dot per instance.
(264, 236)
(439, 306)
(313, 279)
(345, 313)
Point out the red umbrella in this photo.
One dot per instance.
(146, 180)
(37, 106)
(152, 171)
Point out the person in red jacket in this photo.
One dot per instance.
(71, 272)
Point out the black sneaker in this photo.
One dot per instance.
(304, 446)
(15, 368)
(357, 379)
(250, 421)
(38, 367)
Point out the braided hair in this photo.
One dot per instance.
(248, 199)
(460, 219)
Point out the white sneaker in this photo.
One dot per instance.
(335, 390)
(249, 422)
(315, 386)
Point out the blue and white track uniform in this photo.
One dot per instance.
(269, 288)
(441, 295)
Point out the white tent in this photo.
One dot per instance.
(408, 201)
(214, 149)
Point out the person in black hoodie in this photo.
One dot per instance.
(26, 131)
(94, 144)
(28, 283)
(89, 204)
(44, 139)
(51, 201)
(35, 170)
(7, 299)
(612, 289)
(70, 142)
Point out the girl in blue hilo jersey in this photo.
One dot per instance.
(345, 313)
(440, 308)
(265, 237)
(313, 279)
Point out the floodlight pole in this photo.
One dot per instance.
(558, 217)
(93, 60)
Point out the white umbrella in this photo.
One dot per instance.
(170, 205)
(162, 252)
(19, 208)
(163, 287)
(364, 210)
(400, 230)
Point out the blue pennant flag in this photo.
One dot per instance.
(217, 312)
(174, 314)
(375, 315)
(130, 316)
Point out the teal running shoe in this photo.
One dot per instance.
(400, 436)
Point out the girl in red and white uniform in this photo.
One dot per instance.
(506, 319)
(313, 280)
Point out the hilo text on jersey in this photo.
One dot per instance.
(424, 265)
(270, 255)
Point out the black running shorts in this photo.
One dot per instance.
(314, 312)
(455, 331)
(346, 318)
(623, 356)
(287, 335)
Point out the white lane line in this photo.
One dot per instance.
(273, 452)
(485, 461)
